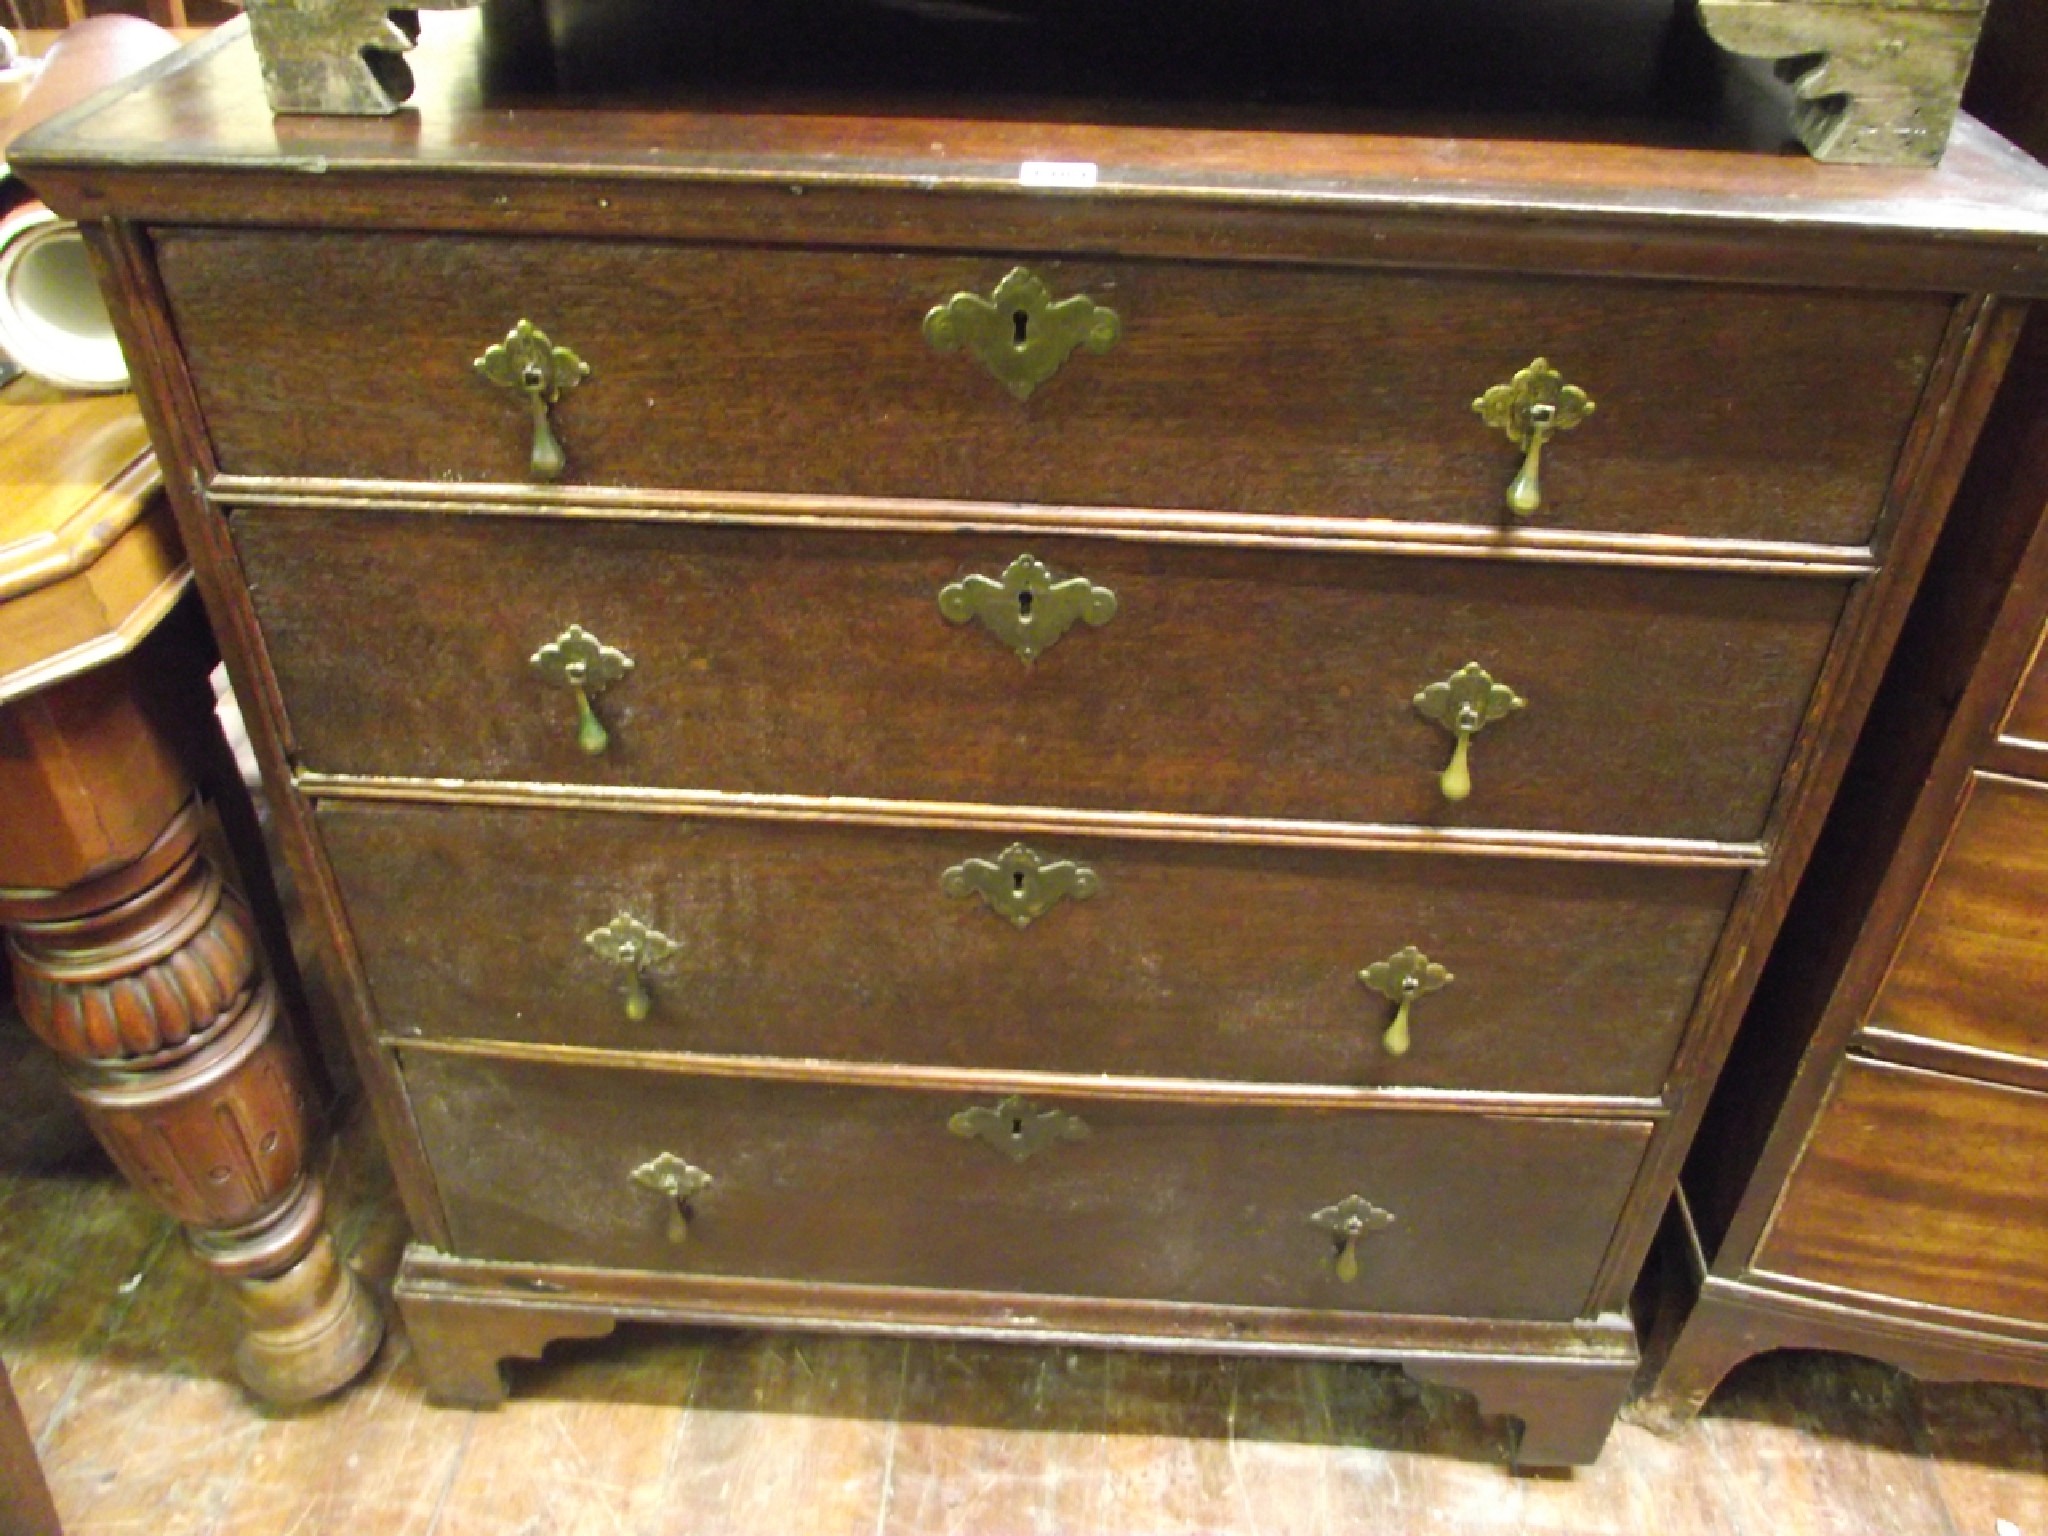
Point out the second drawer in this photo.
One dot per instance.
(1224, 683)
(1235, 963)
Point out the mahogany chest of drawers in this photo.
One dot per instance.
(1204, 760)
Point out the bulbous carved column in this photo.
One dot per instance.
(148, 983)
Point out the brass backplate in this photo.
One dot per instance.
(1016, 1127)
(1020, 333)
(1027, 607)
(1020, 885)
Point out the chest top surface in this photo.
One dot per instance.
(192, 140)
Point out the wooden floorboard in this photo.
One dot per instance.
(120, 1354)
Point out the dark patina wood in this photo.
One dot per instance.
(1231, 388)
(823, 1183)
(1227, 683)
(1191, 961)
(374, 578)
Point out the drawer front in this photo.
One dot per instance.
(806, 940)
(1491, 1217)
(2027, 718)
(1227, 683)
(1972, 966)
(1719, 412)
(1922, 1187)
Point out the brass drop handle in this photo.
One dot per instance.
(1027, 608)
(631, 945)
(1530, 409)
(1347, 1221)
(1464, 704)
(528, 362)
(669, 1175)
(1402, 978)
(579, 661)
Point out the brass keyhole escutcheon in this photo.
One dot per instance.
(1027, 608)
(633, 947)
(1402, 978)
(1347, 1221)
(1531, 408)
(1020, 885)
(1464, 704)
(1016, 1127)
(543, 372)
(670, 1176)
(580, 662)
(1019, 332)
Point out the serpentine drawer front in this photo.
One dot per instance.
(1229, 683)
(1180, 1203)
(1291, 392)
(803, 941)
(1921, 1186)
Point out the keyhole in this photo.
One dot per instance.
(1021, 324)
(1017, 1127)
(1017, 879)
(1024, 605)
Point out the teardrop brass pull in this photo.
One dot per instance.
(1019, 333)
(1464, 704)
(1402, 978)
(669, 1175)
(631, 945)
(579, 661)
(1347, 1221)
(528, 362)
(1020, 885)
(1530, 408)
(1027, 608)
(1017, 1128)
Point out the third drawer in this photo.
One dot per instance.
(812, 940)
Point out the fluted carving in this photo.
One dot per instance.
(155, 974)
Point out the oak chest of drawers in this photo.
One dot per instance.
(879, 747)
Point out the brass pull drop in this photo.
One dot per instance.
(1464, 704)
(579, 661)
(1531, 408)
(528, 362)
(1016, 1127)
(1019, 332)
(669, 1175)
(1347, 1221)
(1402, 978)
(1027, 608)
(632, 946)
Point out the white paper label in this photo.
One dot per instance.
(1056, 173)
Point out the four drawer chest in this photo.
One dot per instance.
(1168, 736)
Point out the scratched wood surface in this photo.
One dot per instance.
(121, 1366)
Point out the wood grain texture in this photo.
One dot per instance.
(807, 371)
(813, 941)
(1969, 968)
(768, 1433)
(1518, 196)
(869, 1187)
(1229, 683)
(1920, 1187)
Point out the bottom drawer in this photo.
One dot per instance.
(1922, 1187)
(1491, 1216)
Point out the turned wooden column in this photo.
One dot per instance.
(131, 958)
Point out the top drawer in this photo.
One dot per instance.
(1721, 412)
